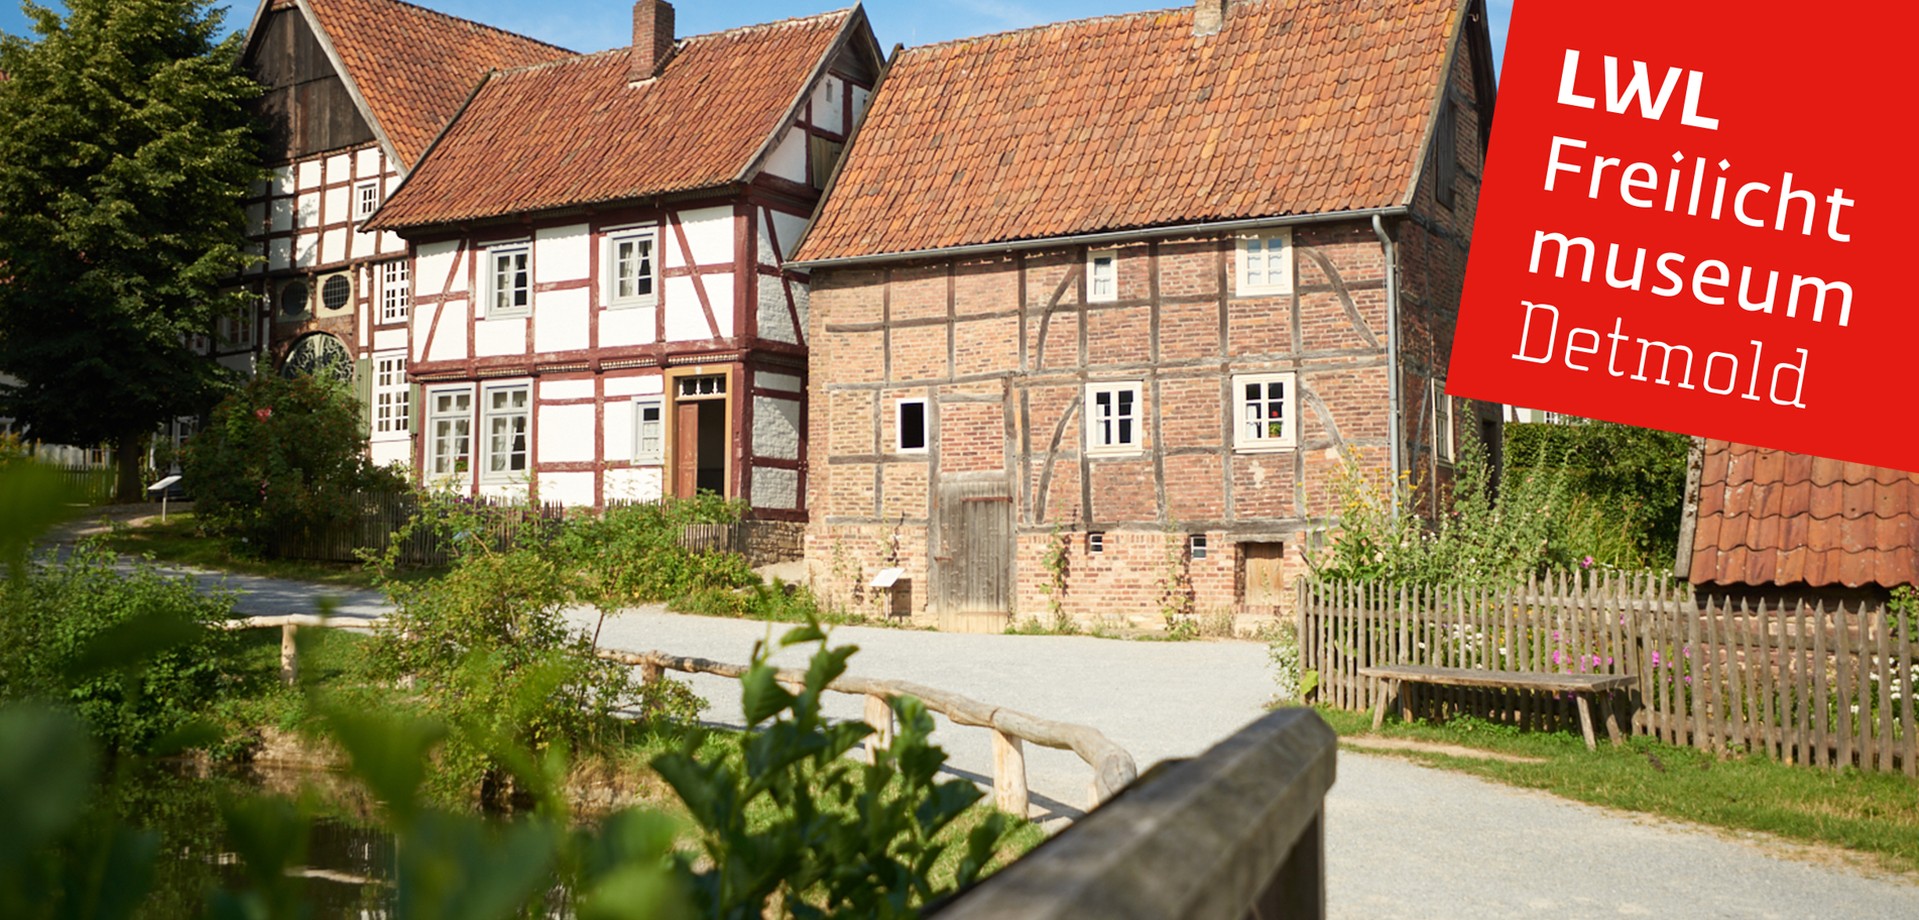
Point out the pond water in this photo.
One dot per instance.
(349, 862)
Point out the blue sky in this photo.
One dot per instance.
(595, 25)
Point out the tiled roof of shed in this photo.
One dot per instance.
(575, 132)
(414, 66)
(1121, 122)
(1769, 517)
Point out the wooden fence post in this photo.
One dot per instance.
(1009, 774)
(879, 714)
(289, 659)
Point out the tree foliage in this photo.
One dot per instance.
(282, 455)
(1633, 476)
(126, 152)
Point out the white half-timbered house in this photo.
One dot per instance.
(355, 92)
(601, 309)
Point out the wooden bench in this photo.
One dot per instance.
(1583, 686)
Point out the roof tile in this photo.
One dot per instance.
(1769, 517)
(1295, 107)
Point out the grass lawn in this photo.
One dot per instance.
(179, 541)
(1866, 812)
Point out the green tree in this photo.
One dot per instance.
(126, 151)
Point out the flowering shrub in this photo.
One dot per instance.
(281, 456)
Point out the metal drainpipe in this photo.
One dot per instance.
(1394, 449)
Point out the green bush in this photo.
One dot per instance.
(1634, 480)
(632, 554)
(66, 617)
(283, 455)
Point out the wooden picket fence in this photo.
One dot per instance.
(1829, 685)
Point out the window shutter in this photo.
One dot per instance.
(415, 408)
(363, 391)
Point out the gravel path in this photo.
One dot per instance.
(1402, 840)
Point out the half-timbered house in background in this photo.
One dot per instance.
(601, 308)
(355, 91)
(1148, 284)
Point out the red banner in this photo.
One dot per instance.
(1687, 223)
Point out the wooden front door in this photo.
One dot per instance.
(1260, 570)
(686, 453)
(976, 548)
(702, 439)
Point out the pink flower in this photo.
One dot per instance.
(263, 413)
(1586, 563)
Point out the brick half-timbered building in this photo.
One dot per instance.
(1147, 285)
(355, 91)
(601, 305)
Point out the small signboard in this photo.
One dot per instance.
(887, 577)
(163, 484)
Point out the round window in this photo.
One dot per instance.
(293, 299)
(319, 355)
(336, 292)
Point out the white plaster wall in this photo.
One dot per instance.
(639, 484)
(776, 488)
(618, 431)
(505, 488)
(430, 267)
(392, 452)
(651, 384)
(338, 199)
(776, 428)
(708, 232)
(861, 97)
(560, 320)
(567, 488)
(389, 339)
(391, 242)
(333, 246)
(829, 109)
(768, 380)
(562, 254)
(279, 253)
(283, 183)
(307, 211)
(565, 433)
(789, 158)
(449, 339)
(493, 337)
(306, 250)
(790, 226)
(365, 245)
(280, 215)
(630, 326)
(685, 321)
(339, 168)
(566, 389)
(800, 302)
(310, 174)
(369, 164)
(258, 250)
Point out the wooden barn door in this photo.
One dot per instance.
(975, 583)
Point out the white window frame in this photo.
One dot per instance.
(366, 199)
(1265, 263)
(657, 453)
(1096, 420)
(396, 290)
(1445, 423)
(610, 259)
(899, 425)
(1102, 286)
(1247, 438)
(492, 278)
(391, 408)
(460, 417)
(488, 415)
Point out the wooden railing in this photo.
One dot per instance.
(1235, 833)
(1800, 683)
(1113, 768)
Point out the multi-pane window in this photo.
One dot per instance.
(366, 199)
(506, 419)
(911, 427)
(1102, 277)
(1443, 442)
(1266, 411)
(396, 291)
(509, 280)
(708, 387)
(450, 421)
(649, 443)
(390, 398)
(1266, 263)
(1112, 417)
(631, 280)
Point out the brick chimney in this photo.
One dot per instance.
(1208, 17)
(652, 39)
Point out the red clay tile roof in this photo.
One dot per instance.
(1295, 107)
(1768, 517)
(574, 132)
(415, 66)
